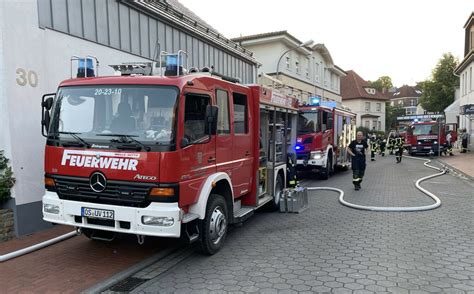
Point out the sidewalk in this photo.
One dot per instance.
(72, 265)
(463, 162)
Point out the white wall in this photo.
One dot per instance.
(46, 54)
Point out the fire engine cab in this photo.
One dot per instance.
(324, 132)
(158, 151)
(428, 136)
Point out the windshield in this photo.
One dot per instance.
(424, 130)
(145, 112)
(308, 123)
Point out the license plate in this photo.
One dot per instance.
(97, 213)
(427, 147)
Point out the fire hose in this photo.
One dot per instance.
(32, 248)
(437, 203)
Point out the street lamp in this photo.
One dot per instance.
(307, 43)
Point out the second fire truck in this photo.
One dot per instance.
(324, 132)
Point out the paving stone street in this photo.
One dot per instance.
(333, 248)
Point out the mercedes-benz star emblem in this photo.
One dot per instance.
(98, 182)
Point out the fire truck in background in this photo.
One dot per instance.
(158, 152)
(324, 132)
(428, 136)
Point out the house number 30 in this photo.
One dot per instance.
(24, 77)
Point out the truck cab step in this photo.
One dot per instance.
(243, 213)
(189, 217)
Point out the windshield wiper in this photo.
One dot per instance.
(75, 136)
(124, 137)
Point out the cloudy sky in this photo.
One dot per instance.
(402, 39)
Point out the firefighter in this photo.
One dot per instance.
(399, 142)
(464, 138)
(357, 150)
(291, 174)
(391, 143)
(448, 148)
(373, 146)
(382, 144)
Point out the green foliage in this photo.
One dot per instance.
(438, 92)
(391, 113)
(384, 82)
(6, 179)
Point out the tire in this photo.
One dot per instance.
(274, 205)
(326, 172)
(214, 226)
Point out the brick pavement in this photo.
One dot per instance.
(72, 265)
(333, 248)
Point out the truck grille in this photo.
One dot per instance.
(302, 156)
(116, 193)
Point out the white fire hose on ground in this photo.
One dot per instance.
(32, 248)
(437, 203)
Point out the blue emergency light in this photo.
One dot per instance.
(314, 101)
(298, 147)
(172, 66)
(85, 68)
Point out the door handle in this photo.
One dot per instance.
(247, 153)
(211, 159)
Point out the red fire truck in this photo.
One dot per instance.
(428, 136)
(170, 155)
(324, 132)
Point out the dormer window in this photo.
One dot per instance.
(371, 91)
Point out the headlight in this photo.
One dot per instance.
(157, 221)
(317, 154)
(435, 142)
(51, 208)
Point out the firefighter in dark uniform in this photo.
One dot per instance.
(391, 143)
(382, 144)
(399, 142)
(357, 150)
(373, 146)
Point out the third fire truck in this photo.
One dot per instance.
(324, 132)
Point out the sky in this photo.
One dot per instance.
(403, 39)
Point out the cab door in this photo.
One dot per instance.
(224, 142)
(242, 174)
(198, 150)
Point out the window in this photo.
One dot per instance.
(378, 107)
(367, 106)
(240, 114)
(317, 72)
(380, 126)
(195, 117)
(326, 77)
(400, 102)
(307, 68)
(287, 62)
(413, 102)
(470, 79)
(367, 124)
(297, 66)
(374, 124)
(223, 124)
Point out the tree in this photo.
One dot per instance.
(6, 178)
(391, 113)
(438, 92)
(384, 82)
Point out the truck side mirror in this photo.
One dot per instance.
(46, 105)
(211, 120)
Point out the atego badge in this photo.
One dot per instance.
(98, 182)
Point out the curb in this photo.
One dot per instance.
(106, 284)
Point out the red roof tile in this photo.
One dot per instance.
(353, 87)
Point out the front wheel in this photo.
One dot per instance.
(214, 226)
(275, 203)
(326, 172)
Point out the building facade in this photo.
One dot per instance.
(407, 97)
(367, 102)
(114, 31)
(465, 73)
(302, 71)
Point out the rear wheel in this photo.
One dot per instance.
(214, 226)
